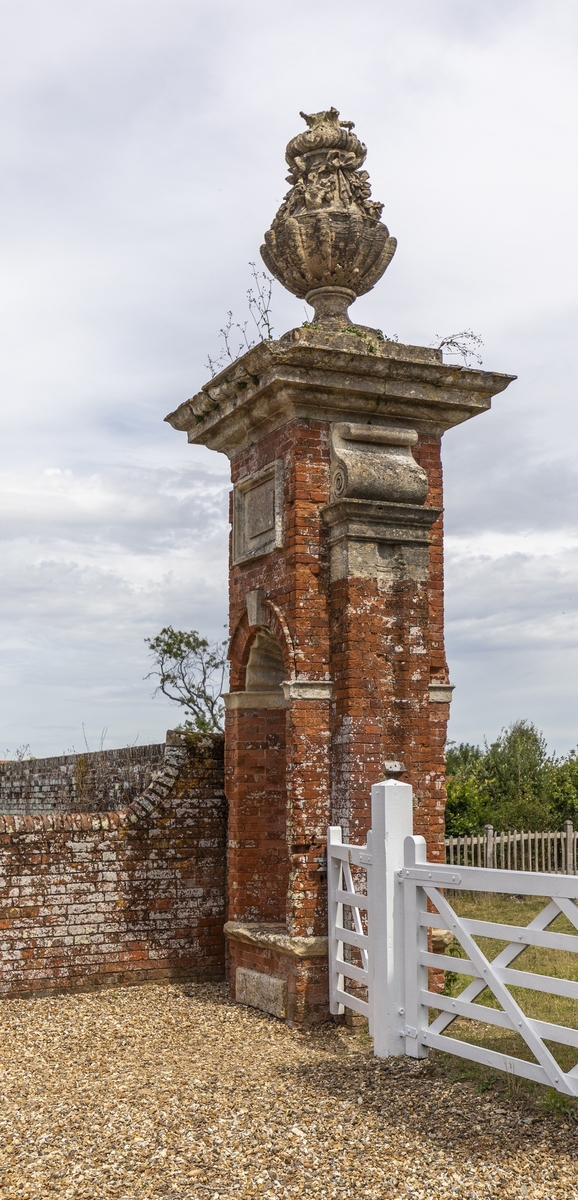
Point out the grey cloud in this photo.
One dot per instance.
(142, 158)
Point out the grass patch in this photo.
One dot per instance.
(559, 1010)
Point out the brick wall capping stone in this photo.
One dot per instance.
(441, 693)
(330, 376)
(307, 689)
(256, 700)
(271, 936)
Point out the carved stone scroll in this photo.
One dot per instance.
(374, 462)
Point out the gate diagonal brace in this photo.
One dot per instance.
(503, 959)
(510, 1006)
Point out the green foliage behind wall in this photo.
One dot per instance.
(512, 783)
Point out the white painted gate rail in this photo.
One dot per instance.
(379, 897)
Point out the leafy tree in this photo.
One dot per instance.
(191, 672)
(565, 789)
(465, 805)
(513, 783)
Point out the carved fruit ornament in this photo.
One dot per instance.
(327, 244)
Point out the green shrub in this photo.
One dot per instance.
(512, 783)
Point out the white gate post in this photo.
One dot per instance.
(416, 1013)
(391, 823)
(335, 912)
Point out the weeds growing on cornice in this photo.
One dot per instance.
(260, 315)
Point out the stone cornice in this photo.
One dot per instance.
(237, 700)
(330, 376)
(379, 520)
(274, 937)
(441, 693)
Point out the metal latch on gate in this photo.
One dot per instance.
(423, 875)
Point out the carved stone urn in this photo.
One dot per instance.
(327, 244)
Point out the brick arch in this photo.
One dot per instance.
(244, 635)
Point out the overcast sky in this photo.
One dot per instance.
(141, 149)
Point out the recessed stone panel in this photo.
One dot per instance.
(258, 513)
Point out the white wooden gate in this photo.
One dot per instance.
(379, 896)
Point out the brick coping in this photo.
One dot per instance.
(139, 809)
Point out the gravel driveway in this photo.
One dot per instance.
(172, 1091)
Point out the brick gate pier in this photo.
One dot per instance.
(338, 668)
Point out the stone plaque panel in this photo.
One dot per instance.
(261, 991)
(258, 513)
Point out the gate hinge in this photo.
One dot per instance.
(435, 876)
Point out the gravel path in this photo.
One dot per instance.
(154, 1092)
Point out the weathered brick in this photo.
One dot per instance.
(139, 901)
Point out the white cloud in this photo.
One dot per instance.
(93, 564)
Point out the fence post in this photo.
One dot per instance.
(391, 823)
(489, 845)
(568, 847)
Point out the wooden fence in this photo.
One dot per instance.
(553, 851)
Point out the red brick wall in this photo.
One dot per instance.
(428, 454)
(258, 866)
(295, 579)
(381, 644)
(93, 782)
(308, 788)
(381, 693)
(388, 645)
(123, 896)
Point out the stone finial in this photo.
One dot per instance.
(327, 244)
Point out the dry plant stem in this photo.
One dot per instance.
(175, 1092)
(259, 304)
(466, 345)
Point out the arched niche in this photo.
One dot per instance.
(265, 670)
